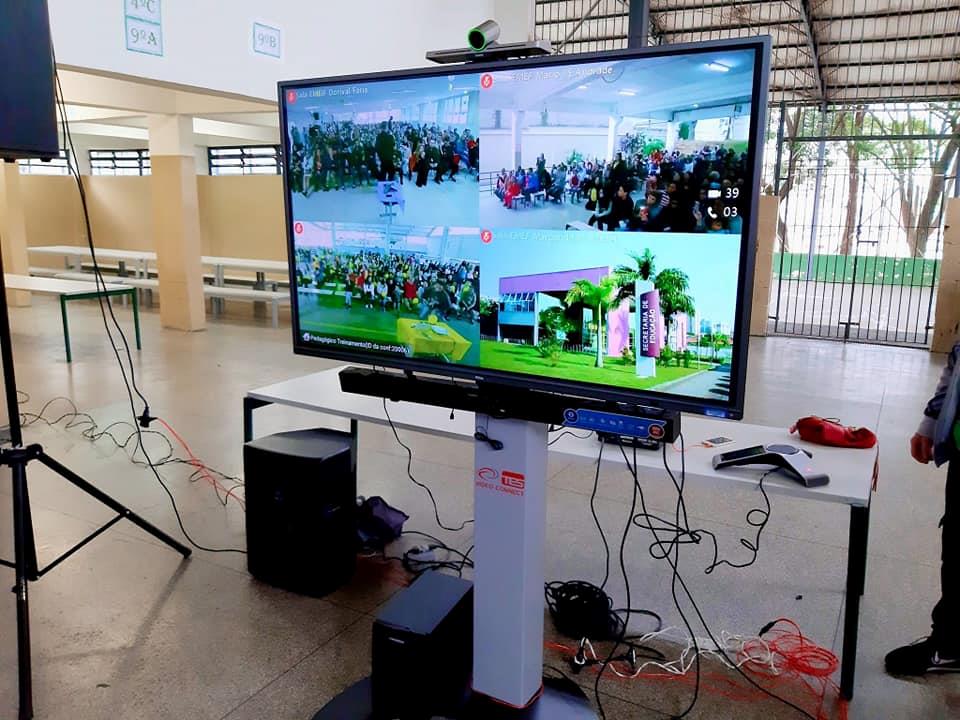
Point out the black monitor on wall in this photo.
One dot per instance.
(28, 123)
(579, 224)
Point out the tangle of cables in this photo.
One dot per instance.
(669, 536)
(682, 534)
(779, 656)
(126, 437)
(436, 555)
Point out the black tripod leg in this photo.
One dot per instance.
(98, 494)
(30, 548)
(22, 544)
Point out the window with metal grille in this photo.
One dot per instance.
(120, 162)
(57, 166)
(249, 160)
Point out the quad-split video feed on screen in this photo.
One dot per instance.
(579, 222)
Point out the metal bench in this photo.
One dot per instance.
(274, 297)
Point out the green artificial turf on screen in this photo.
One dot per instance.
(577, 366)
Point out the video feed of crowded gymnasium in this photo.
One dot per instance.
(404, 151)
(644, 145)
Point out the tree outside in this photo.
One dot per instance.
(600, 297)
(673, 285)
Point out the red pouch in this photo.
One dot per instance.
(830, 432)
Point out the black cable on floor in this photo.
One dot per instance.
(626, 582)
(596, 520)
(433, 500)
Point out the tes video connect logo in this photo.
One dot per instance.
(504, 481)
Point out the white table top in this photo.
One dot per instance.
(83, 251)
(246, 263)
(851, 471)
(55, 286)
(149, 256)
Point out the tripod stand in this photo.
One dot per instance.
(17, 457)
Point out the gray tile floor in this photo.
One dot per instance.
(126, 630)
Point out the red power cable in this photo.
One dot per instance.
(197, 463)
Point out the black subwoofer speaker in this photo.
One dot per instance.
(301, 490)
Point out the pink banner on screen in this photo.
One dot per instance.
(618, 329)
(650, 340)
(681, 325)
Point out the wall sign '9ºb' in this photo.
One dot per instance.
(266, 40)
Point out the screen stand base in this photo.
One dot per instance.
(561, 700)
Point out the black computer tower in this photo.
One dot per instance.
(301, 490)
(422, 655)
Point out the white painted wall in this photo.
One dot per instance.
(556, 143)
(208, 43)
(496, 151)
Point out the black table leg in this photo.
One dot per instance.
(856, 582)
(354, 443)
(249, 405)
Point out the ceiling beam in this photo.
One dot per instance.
(865, 63)
(826, 43)
(886, 14)
(574, 18)
(717, 4)
(749, 25)
(638, 33)
(806, 18)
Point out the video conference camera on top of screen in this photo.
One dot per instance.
(483, 46)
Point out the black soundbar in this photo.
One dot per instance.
(507, 401)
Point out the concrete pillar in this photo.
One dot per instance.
(763, 273)
(673, 134)
(13, 230)
(516, 19)
(176, 221)
(516, 137)
(946, 326)
(612, 123)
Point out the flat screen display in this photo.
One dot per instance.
(579, 224)
(28, 120)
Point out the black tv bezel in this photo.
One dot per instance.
(732, 408)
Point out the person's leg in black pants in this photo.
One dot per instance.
(946, 614)
(940, 653)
